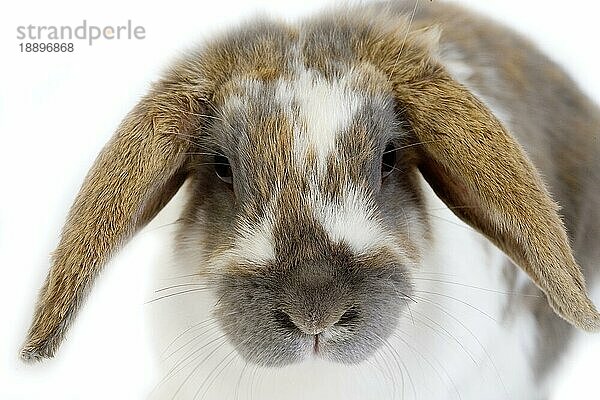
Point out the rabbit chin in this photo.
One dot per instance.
(304, 348)
(461, 339)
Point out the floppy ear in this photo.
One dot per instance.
(478, 169)
(134, 176)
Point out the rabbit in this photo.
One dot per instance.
(347, 177)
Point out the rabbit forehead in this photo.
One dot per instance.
(320, 111)
(316, 119)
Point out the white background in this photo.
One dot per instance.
(57, 110)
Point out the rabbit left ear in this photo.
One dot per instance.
(481, 172)
(134, 176)
(477, 168)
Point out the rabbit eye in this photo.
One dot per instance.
(388, 161)
(223, 169)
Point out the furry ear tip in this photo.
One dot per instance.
(588, 321)
(30, 353)
(589, 325)
(592, 324)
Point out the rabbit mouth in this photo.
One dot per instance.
(274, 349)
(344, 316)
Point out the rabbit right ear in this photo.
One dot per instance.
(134, 176)
(478, 169)
(484, 176)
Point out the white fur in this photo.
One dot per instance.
(459, 317)
(454, 62)
(255, 243)
(325, 108)
(352, 221)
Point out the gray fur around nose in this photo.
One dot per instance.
(273, 315)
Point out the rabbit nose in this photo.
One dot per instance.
(312, 323)
(312, 327)
(308, 325)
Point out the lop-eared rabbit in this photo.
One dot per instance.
(356, 183)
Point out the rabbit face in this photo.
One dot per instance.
(309, 257)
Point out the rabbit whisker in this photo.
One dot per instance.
(166, 296)
(517, 294)
(185, 276)
(198, 365)
(422, 355)
(399, 363)
(472, 334)
(412, 17)
(236, 392)
(450, 335)
(172, 372)
(412, 145)
(178, 221)
(203, 285)
(201, 154)
(190, 357)
(467, 227)
(204, 330)
(216, 375)
(207, 321)
(459, 301)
